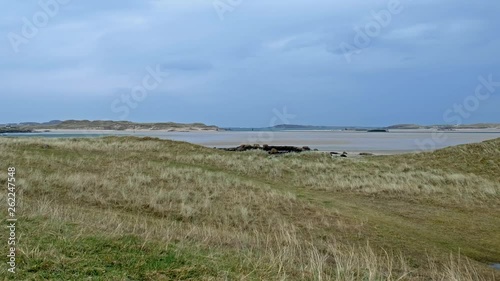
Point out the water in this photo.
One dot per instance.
(396, 141)
(496, 265)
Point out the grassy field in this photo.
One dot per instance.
(124, 208)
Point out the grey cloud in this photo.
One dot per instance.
(187, 65)
(273, 51)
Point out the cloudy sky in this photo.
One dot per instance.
(245, 62)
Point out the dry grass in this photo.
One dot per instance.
(221, 215)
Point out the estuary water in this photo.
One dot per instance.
(392, 142)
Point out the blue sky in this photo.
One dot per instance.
(238, 62)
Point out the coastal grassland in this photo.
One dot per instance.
(125, 208)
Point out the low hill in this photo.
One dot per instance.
(406, 126)
(482, 159)
(480, 126)
(118, 125)
(303, 127)
(53, 122)
(463, 126)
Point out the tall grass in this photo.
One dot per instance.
(250, 215)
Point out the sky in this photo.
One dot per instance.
(242, 63)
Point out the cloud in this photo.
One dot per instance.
(415, 32)
(187, 65)
(264, 54)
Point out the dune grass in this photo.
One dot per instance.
(124, 208)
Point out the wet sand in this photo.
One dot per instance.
(392, 142)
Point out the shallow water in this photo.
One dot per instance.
(496, 266)
(396, 141)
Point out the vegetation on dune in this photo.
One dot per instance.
(114, 125)
(124, 208)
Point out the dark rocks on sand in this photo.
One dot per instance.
(270, 149)
(273, 151)
(244, 147)
(333, 153)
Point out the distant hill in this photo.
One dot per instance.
(312, 127)
(397, 126)
(406, 126)
(304, 127)
(127, 125)
(480, 126)
(464, 126)
(22, 124)
(111, 125)
(285, 127)
(53, 122)
(296, 127)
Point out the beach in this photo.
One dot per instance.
(392, 142)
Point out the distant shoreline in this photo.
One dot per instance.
(172, 130)
(97, 131)
(107, 125)
(396, 141)
(200, 130)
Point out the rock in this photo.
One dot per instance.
(343, 155)
(334, 153)
(243, 147)
(275, 149)
(366, 154)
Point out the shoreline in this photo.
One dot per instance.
(410, 131)
(378, 143)
(75, 131)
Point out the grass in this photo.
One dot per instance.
(124, 208)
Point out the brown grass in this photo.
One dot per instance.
(254, 216)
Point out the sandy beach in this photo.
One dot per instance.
(355, 142)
